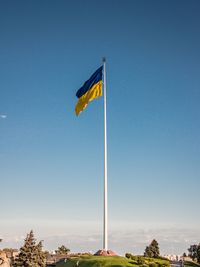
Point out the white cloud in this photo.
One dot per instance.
(87, 236)
(3, 116)
(171, 240)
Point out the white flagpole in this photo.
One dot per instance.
(105, 223)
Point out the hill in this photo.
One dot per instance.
(115, 261)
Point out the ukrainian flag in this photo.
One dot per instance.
(91, 89)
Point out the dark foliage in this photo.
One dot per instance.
(31, 254)
(194, 252)
(152, 251)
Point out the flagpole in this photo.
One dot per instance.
(105, 220)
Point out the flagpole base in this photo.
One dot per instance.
(103, 252)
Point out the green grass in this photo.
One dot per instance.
(96, 261)
(115, 261)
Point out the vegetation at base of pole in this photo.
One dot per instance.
(31, 254)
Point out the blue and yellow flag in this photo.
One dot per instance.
(91, 89)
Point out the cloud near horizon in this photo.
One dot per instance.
(171, 240)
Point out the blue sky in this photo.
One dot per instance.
(51, 162)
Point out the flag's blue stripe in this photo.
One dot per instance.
(95, 78)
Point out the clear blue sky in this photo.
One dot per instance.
(51, 162)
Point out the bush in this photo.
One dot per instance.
(134, 258)
(152, 264)
(128, 255)
(141, 261)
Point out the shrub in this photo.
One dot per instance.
(141, 261)
(128, 255)
(152, 264)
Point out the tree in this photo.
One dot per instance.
(152, 251)
(194, 252)
(148, 253)
(62, 250)
(31, 254)
(198, 253)
(40, 255)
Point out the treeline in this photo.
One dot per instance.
(32, 254)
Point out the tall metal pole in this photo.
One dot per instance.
(105, 224)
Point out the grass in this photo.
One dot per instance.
(115, 261)
(96, 261)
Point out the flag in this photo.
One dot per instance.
(91, 89)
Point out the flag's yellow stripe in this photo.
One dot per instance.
(91, 94)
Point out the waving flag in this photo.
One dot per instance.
(91, 89)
